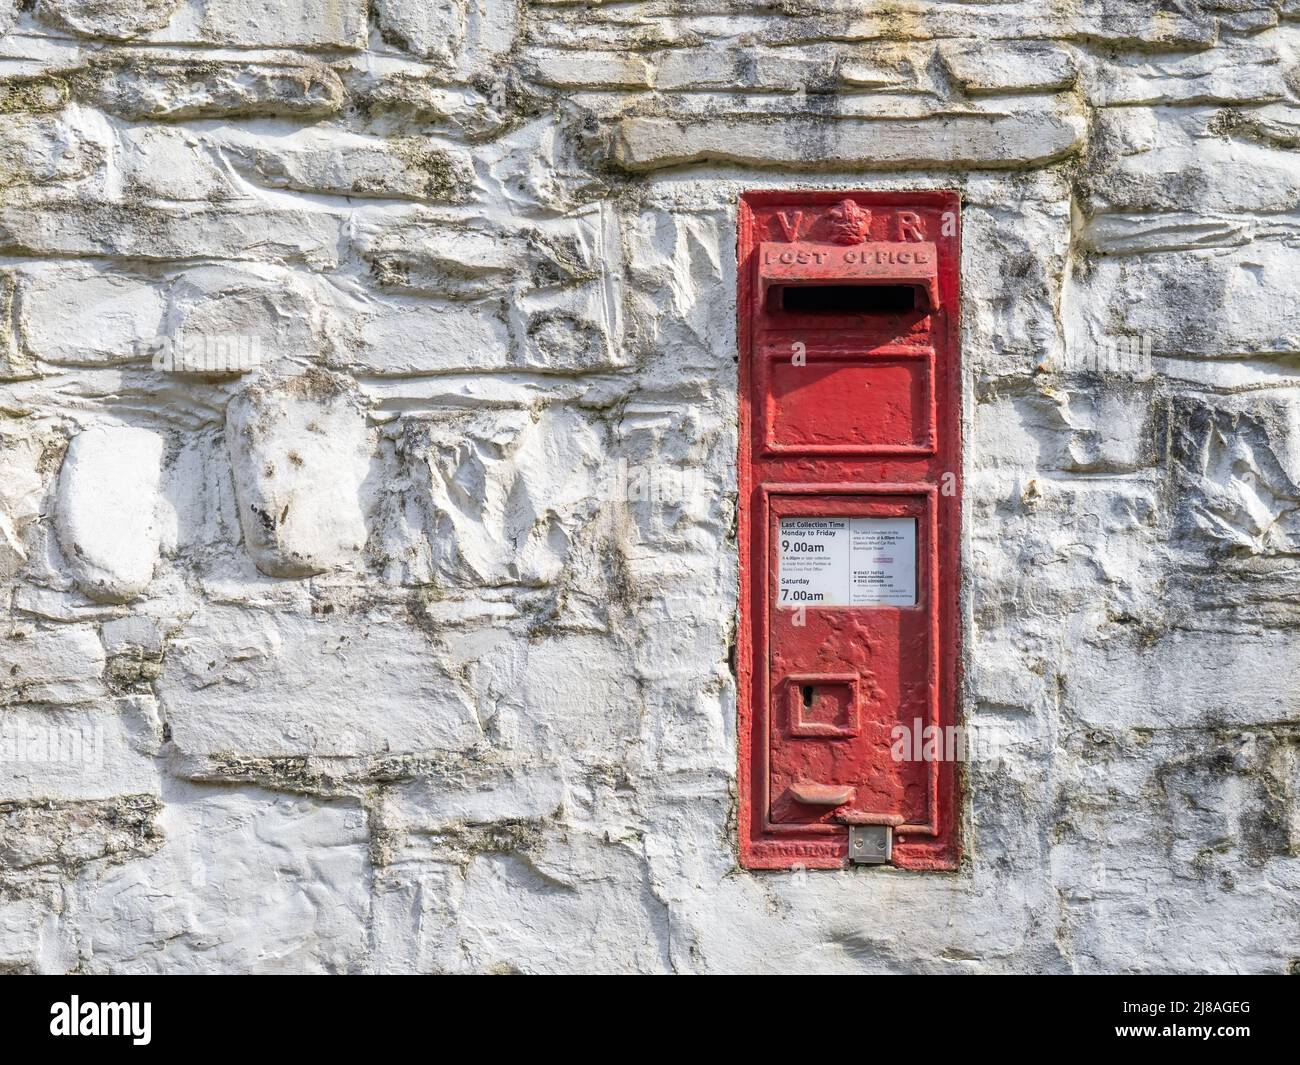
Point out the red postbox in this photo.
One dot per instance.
(850, 528)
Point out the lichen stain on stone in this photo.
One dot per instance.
(65, 835)
(36, 94)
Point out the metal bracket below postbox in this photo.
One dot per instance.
(871, 837)
(871, 844)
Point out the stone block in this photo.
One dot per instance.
(107, 515)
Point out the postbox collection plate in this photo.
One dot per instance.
(850, 528)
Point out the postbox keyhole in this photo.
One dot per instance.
(807, 692)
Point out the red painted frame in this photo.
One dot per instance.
(770, 473)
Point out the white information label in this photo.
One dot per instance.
(846, 562)
(814, 565)
(882, 564)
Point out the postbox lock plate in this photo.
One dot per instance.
(870, 844)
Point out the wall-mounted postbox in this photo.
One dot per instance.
(850, 512)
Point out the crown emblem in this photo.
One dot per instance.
(849, 222)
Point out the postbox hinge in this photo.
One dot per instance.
(871, 844)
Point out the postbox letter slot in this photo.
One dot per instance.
(851, 299)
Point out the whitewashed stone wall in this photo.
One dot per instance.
(402, 643)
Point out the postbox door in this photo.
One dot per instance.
(850, 657)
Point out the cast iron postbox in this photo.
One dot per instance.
(850, 476)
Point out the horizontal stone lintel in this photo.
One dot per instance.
(813, 143)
